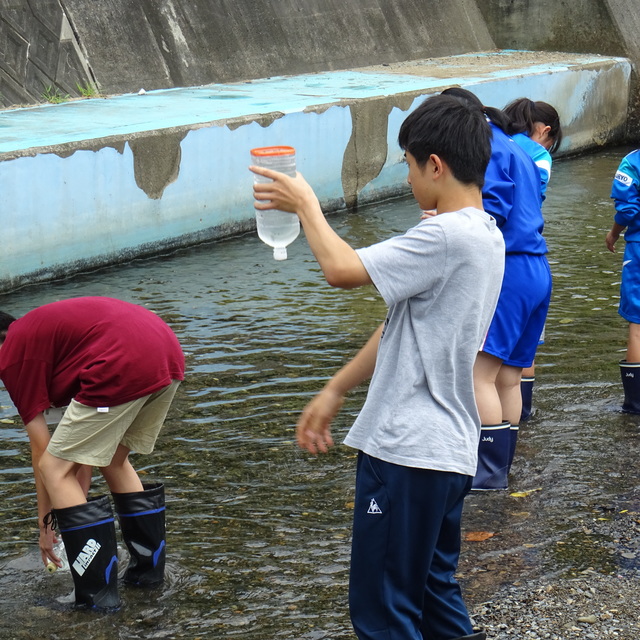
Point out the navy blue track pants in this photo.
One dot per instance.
(405, 550)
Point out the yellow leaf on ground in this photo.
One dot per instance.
(478, 536)
(524, 494)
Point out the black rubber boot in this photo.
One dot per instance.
(493, 457)
(514, 429)
(526, 391)
(142, 522)
(630, 374)
(474, 636)
(89, 536)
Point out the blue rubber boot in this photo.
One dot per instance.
(89, 536)
(494, 451)
(630, 374)
(142, 522)
(526, 391)
(514, 429)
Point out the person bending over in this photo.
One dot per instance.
(117, 366)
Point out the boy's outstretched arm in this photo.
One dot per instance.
(314, 426)
(339, 262)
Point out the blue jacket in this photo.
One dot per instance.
(625, 192)
(511, 194)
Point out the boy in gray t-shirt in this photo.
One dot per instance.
(418, 431)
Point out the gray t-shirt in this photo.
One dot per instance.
(441, 282)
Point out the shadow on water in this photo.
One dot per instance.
(258, 532)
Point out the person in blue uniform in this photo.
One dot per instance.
(625, 193)
(534, 126)
(511, 194)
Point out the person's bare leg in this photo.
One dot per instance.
(633, 343)
(84, 477)
(529, 372)
(61, 481)
(485, 373)
(508, 386)
(120, 474)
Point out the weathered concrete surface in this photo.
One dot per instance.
(608, 27)
(121, 46)
(94, 182)
(179, 43)
(582, 26)
(39, 53)
(626, 16)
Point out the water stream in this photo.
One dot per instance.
(258, 531)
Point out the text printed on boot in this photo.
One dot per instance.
(88, 553)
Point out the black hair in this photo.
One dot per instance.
(452, 129)
(496, 116)
(5, 321)
(524, 113)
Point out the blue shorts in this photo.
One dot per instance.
(629, 307)
(518, 322)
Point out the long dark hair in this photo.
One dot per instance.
(524, 113)
(496, 116)
(453, 129)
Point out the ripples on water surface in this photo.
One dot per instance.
(258, 532)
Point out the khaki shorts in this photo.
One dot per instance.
(90, 435)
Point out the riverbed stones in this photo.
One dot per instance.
(594, 606)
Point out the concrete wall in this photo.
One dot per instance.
(89, 183)
(581, 26)
(124, 45)
(608, 27)
(39, 53)
(187, 43)
(129, 44)
(97, 182)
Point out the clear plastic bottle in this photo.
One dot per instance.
(59, 550)
(278, 229)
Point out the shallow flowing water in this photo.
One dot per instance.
(258, 531)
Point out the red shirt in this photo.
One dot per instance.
(101, 352)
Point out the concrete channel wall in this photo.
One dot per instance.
(121, 46)
(607, 27)
(93, 182)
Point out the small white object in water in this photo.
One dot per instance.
(68, 599)
(141, 92)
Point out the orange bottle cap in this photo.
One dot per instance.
(262, 152)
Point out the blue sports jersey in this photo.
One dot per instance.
(540, 156)
(511, 194)
(625, 192)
